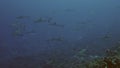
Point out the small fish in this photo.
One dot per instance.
(49, 20)
(18, 29)
(82, 51)
(94, 57)
(55, 24)
(107, 36)
(40, 20)
(22, 17)
(18, 33)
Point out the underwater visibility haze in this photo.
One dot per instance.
(58, 33)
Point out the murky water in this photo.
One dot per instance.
(57, 28)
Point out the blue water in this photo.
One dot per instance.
(82, 24)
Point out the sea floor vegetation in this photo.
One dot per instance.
(110, 59)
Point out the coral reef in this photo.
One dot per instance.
(111, 59)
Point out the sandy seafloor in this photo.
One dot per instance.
(57, 28)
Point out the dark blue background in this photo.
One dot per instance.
(85, 22)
